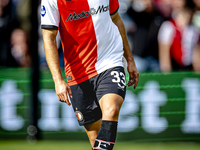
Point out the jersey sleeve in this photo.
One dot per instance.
(114, 6)
(50, 16)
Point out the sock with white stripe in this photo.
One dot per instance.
(107, 135)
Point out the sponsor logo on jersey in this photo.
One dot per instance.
(43, 11)
(100, 9)
(79, 115)
(78, 16)
(83, 14)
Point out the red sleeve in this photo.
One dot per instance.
(114, 6)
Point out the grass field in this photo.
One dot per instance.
(76, 145)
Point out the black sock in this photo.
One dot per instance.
(106, 136)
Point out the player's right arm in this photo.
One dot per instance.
(51, 52)
(50, 20)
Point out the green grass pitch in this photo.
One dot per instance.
(81, 145)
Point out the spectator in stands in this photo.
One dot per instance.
(8, 23)
(196, 17)
(19, 48)
(23, 14)
(164, 7)
(147, 19)
(178, 39)
(197, 3)
(196, 22)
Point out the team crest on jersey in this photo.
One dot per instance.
(79, 115)
(83, 14)
(43, 11)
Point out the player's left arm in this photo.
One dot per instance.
(133, 72)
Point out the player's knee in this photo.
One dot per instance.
(111, 113)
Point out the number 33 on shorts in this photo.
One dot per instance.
(119, 78)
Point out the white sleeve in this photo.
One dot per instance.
(166, 33)
(50, 16)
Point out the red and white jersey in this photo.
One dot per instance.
(91, 41)
(182, 42)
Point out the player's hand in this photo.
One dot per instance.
(62, 92)
(133, 73)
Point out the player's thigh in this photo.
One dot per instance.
(110, 106)
(111, 92)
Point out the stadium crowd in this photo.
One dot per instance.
(164, 35)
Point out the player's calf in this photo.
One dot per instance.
(107, 135)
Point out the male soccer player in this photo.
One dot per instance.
(94, 42)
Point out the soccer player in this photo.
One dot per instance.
(94, 42)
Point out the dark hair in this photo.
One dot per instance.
(190, 5)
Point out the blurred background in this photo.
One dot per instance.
(162, 113)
